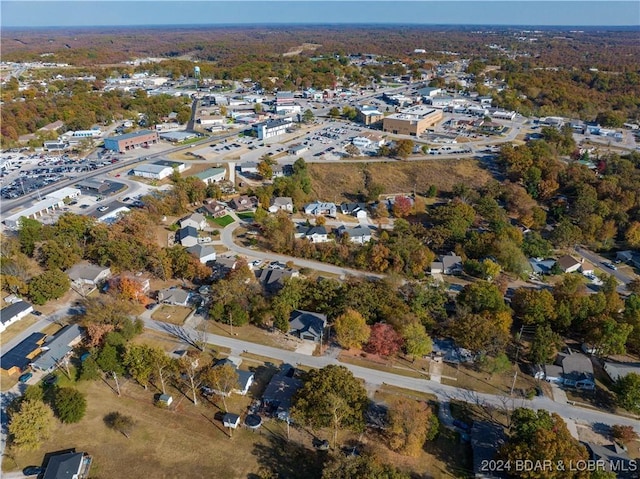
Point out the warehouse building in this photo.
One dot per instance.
(153, 171)
(211, 175)
(50, 203)
(412, 121)
(130, 141)
(271, 128)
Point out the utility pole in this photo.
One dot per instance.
(514, 382)
(230, 323)
(115, 378)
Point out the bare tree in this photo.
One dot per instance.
(190, 368)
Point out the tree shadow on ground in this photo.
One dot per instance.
(288, 460)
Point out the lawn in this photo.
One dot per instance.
(499, 383)
(387, 366)
(338, 182)
(171, 314)
(247, 215)
(16, 328)
(252, 334)
(223, 220)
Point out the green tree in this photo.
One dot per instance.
(331, 397)
(351, 329)
(110, 361)
(120, 422)
(536, 246)
(608, 336)
(89, 370)
(30, 424)
(627, 391)
(49, 285)
(411, 422)
(138, 360)
(365, 466)
(69, 404)
(308, 116)
(29, 233)
(334, 112)
(417, 342)
(534, 306)
(545, 345)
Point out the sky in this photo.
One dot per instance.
(52, 13)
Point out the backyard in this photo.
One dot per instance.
(222, 221)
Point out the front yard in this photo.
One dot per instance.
(171, 314)
(223, 220)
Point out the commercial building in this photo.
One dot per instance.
(211, 175)
(271, 128)
(153, 171)
(369, 115)
(130, 141)
(47, 205)
(412, 121)
(177, 136)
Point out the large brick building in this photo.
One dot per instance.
(412, 121)
(130, 141)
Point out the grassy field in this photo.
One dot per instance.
(16, 328)
(387, 366)
(247, 215)
(171, 314)
(479, 381)
(223, 221)
(252, 334)
(338, 182)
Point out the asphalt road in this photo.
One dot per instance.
(598, 261)
(378, 378)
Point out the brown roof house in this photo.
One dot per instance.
(568, 264)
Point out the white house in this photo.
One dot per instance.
(359, 210)
(315, 234)
(86, 274)
(204, 253)
(281, 203)
(319, 208)
(175, 296)
(197, 220)
(361, 142)
(568, 264)
(448, 264)
(187, 236)
(359, 234)
(13, 313)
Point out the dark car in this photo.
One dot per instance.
(36, 313)
(32, 471)
(50, 380)
(151, 306)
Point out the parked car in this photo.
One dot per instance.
(610, 265)
(50, 380)
(25, 377)
(36, 313)
(103, 208)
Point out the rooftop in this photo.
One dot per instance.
(57, 347)
(128, 136)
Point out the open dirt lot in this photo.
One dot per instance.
(338, 182)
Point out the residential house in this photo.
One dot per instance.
(448, 264)
(68, 465)
(321, 209)
(204, 253)
(568, 264)
(629, 257)
(613, 459)
(245, 378)
(272, 280)
(542, 266)
(279, 171)
(175, 296)
(617, 370)
(359, 210)
(249, 167)
(307, 325)
(13, 313)
(244, 203)
(224, 265)
(486, 439)
(358, 234)
(57, 348)
(281, 203)
(572, 370)
(213, 208)
(315, 234)
(196, 220)
(18, 358)
(279, 392)
(187, 236)
(86, 274)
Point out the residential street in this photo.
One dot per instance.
(377, 378)
(598, 261)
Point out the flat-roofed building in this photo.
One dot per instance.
(412, 121)
(211, 175)
(369, 115)
(47, 205)
(151, 170)
(271, 128)
(130, 141)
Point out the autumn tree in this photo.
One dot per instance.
(69, 404)
(402, 206)
(331, 397)
(138, 360)
(383, 340)
(403, 148)
(364, 466)
(623, 434)
(541, 436)
(411, 423)
(534, 306)
(351, 329)
(129, 289)
(30, 424)
(223, 379)
(545, 345)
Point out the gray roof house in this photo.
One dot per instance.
(187, 236)
(318, 208)
(176, 296)
(197, 220)
(542, 266)
(14, 312)
(359, 210)
(59, 346)
(449, 264)
(272, 280)
(570, 369)
(278, 394)
(358, 234)
(68, 465)
(617, 370)
(284, 203)
(307, 325)
(86, 273)
(243, 203)
(315, 234)
(245, 378)
(204, 253)
(613, 459)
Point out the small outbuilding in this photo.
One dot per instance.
(165, 400)
(232, 421)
